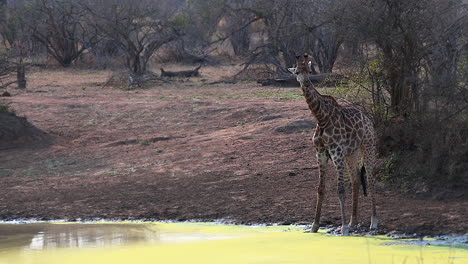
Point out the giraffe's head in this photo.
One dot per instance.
(302, 69)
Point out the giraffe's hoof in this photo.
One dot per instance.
(374, 223)
(345, 230)
(315, 228)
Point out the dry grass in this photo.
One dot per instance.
(66, 79)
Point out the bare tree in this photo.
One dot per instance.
(61, 28)
(238, 25)
(138, 28)
(283, 30)
(16, 42)
(293, 27)
(205, 16)
(326, 44)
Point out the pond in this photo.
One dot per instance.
(96, 242)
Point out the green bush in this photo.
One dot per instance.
(424, 152)
(6, 108)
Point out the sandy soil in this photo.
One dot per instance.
(181, 151)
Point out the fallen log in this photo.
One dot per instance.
(325, 79)
(189, 73)
(129, 80)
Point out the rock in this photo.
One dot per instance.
(296, 126)
(398, 234)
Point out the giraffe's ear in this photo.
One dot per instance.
(297, 57)
(306, 55)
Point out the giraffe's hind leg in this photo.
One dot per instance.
(369, 155)
(353, 169)
(322, 158)
(339, 163)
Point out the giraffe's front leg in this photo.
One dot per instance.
(339, 163)
(322, 159)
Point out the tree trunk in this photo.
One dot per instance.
(325, 52)
(21, 76)
(240, 42)
(288, 57)
(136, 64)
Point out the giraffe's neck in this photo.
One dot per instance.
(320, 105)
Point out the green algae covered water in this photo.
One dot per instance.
(62, 243)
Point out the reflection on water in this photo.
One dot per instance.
(40, 236)
(43, 236)
(100, 235)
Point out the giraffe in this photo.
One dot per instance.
(343, 134)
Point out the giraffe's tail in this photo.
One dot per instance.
(364, 180)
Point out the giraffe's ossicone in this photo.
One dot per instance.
(346, 136)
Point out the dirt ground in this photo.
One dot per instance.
(186, 150)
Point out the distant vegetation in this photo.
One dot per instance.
(405, 61)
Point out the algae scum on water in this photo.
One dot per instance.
(54, 243)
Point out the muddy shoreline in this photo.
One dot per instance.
(411, 233)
